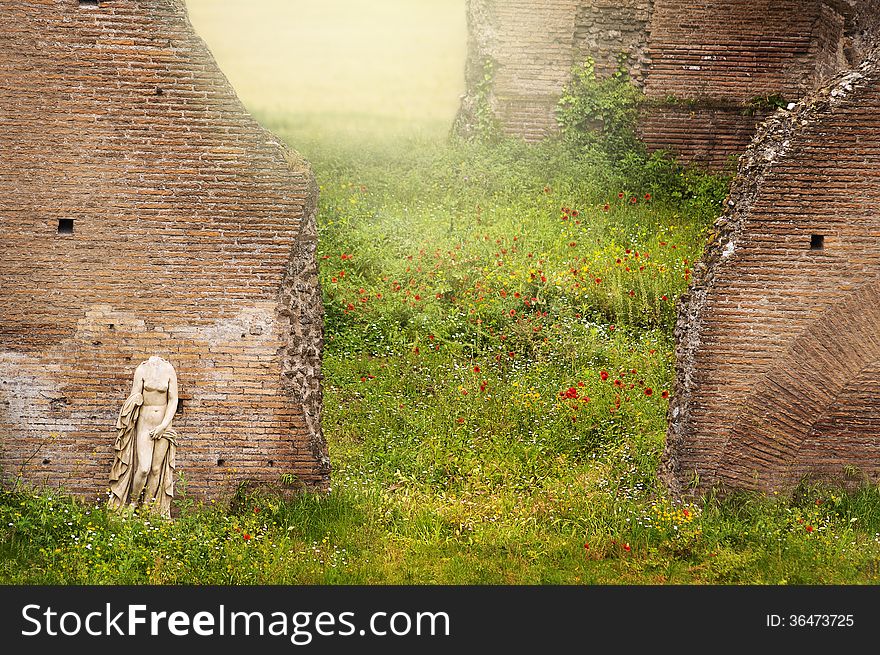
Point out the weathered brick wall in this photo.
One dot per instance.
(532, 47)
(193, 238)
(715, 62)
(710, 69)
(778, 347)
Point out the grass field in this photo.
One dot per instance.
(498, 361)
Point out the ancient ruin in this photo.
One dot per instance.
(777, 340)
(146, 213)
(520, 56)
(711, 70)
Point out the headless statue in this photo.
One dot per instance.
(144, 452)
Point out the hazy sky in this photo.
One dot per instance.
(392, 58)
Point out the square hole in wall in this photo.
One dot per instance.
(65, 226)
(817, 242)
(89, 3)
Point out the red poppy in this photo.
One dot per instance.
(598, 280)
(626, 547)
(606, 207)
(603, 375)
(620, 195)
(247, 537)
(649, 391)
(460, 420)
(334, 280)
(586, 546)
(476, 369)
(664, 394)
(633, 200)
(809, 528)
(647, 196)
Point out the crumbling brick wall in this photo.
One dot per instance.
(711, 69)
(193, 238)
(717, 67)
(520, 55)
(778, 347)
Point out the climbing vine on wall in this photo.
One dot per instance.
(600, 111)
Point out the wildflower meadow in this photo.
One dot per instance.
(498, 363)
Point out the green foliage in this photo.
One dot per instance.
(762, 104)
(486, 126)
(600, 111)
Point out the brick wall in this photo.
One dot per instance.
(722, 58)
(193, 238)
(777, 343)
(532, 48)
(710, 69)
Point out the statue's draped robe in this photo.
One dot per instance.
(125, 460)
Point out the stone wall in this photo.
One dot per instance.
(193, 237)
(778, 348)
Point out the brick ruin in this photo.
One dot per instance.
(520, 56)
(718, 68)
(711, 70)
(145, 212)
(778, 346)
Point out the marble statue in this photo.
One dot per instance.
(144, 452)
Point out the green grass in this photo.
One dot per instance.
(465, 331)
